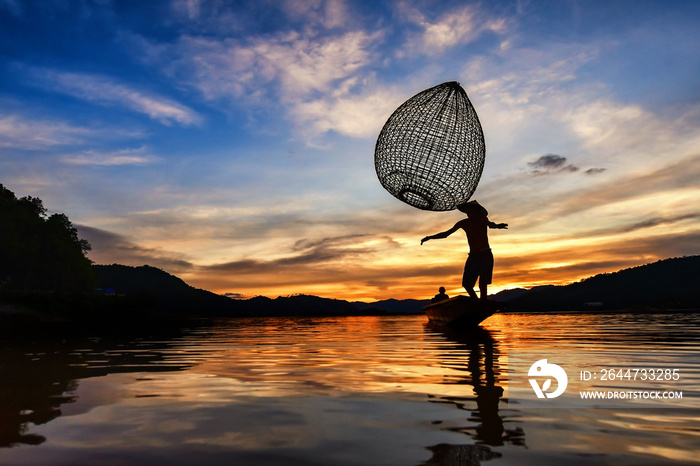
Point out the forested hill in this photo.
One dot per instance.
(159, 289)
(171, 295)
(666, 284)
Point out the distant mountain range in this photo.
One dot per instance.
(667, 284)
(171, 295)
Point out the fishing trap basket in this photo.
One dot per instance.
(430, 153)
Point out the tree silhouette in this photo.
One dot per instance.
(40, 252)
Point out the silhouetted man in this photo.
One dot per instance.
(480, 261)
(441, 296)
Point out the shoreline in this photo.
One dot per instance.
(20, 313)
(607, 311)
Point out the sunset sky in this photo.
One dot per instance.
(231, 143)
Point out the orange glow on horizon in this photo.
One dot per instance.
(381, 265)
(425, 287)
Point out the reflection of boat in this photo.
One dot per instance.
(461, 311)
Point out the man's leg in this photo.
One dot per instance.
(485, 273)
(482, 290)
(470, 275)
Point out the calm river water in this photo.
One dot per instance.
(384, 390)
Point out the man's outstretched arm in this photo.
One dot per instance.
(500, 226)
(443, 234)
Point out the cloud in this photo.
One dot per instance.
(328, 14)
(213, 17)
(188, 8)
(456, 27)
(19, 132)
(568, 203)
(644, 224)
(355, 115)
(596, 123)
(26, 132)
(231, 69)
(361, 279)
(123, 157)
(561, 265)
(523, 98)
(318, 80)
(652, 182)
(534, 102)
(107, 91)
(323, 80)
(551, 163)
(308, 266)
(222, 18)
(108, 247)
(594, 171)
(307, 253)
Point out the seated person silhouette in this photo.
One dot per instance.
(480, 260)
(441, 296)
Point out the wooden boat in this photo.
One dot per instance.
(461, 311)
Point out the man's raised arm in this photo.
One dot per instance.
(443, 234)
(500, 226)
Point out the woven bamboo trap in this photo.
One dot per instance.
(430, 152)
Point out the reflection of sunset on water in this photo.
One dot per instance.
(377, 388)
(327, 358)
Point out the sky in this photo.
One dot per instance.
(231, 143)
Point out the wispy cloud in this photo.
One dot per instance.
(190, 9)
(215, 17)
(318, 80)
(232, 69)
(323, 81)
(28, 132)
(107, 245)
(356, 115)
(675, 176)
(328, 14)
(123, 157)
(561, 264)
(108, 91)
(635, 226)
(538, 104)
(578, 202)
(457, 27)
(311, 265)
(307, 253)
(20, 132)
